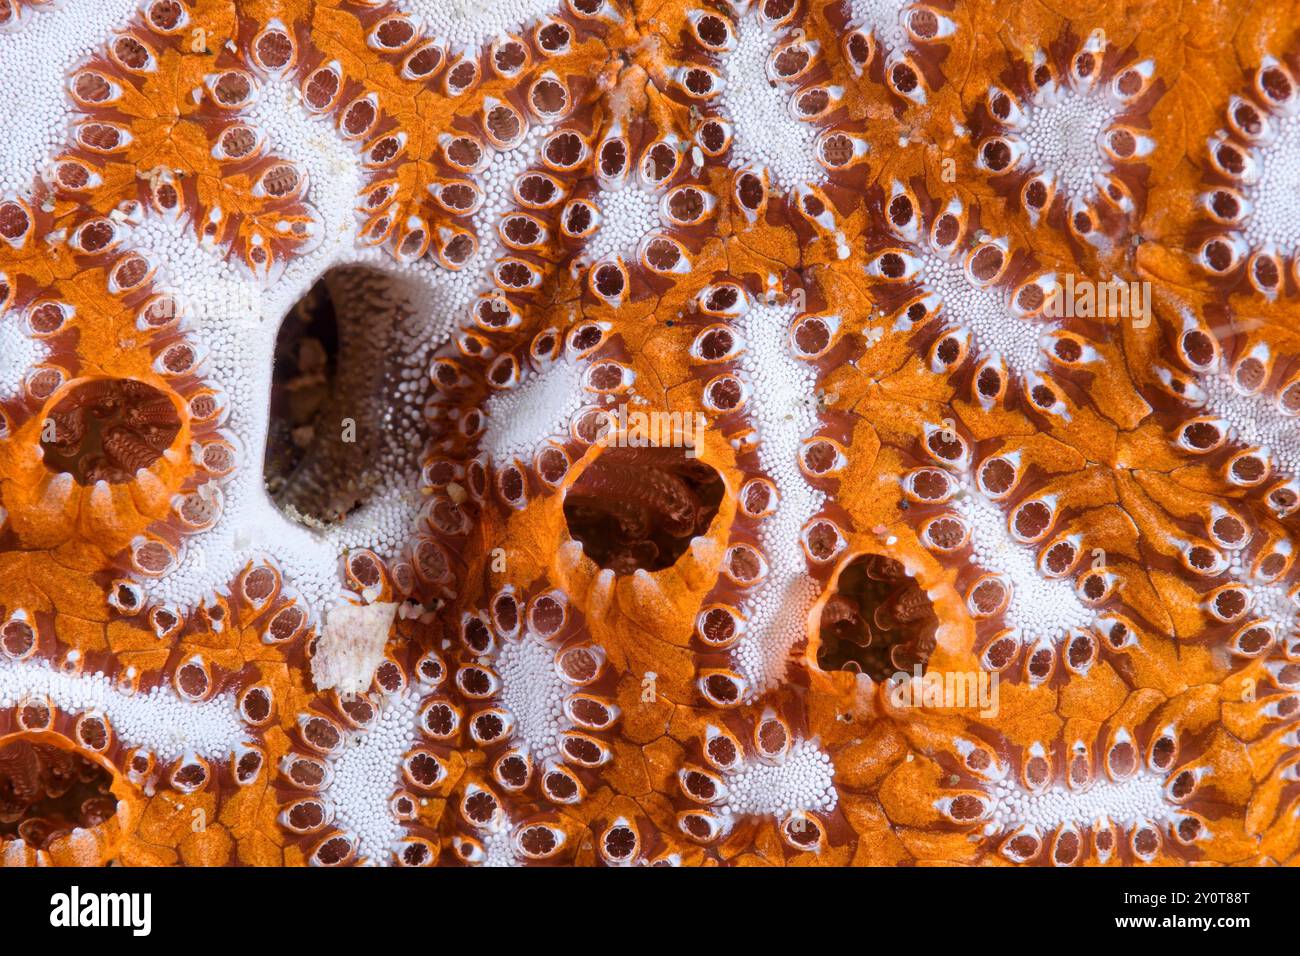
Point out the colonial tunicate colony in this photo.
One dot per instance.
(330, 531)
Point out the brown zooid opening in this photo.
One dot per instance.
(639, 508)
(46, 792)
(878, 621)
(107, 429)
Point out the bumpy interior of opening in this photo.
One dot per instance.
(346, 396)
(878, 621)
(639, 508)
(46, 792)
(107, 429)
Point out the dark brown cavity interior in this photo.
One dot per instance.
(638, 508)
(878, 621)
(342, 431)
(306, 363)
(46, 792)
(107, 429)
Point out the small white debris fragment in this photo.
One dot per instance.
(352, 646)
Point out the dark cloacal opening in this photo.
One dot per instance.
(306, 365)
(46, 792)
(346, 397)
(878, 621)
(639, 508)
(107, 429)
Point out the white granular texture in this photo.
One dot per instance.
(475, 23)
(38, 53)
(804, 780)
(1139, 799)
(985, 313)
(1039, 606)
(366, 774)
(1063, 137)
(156, 720)
(521, 419)
(19, 353)
(626, 216)
(766, 133)
(1274, 220)
(533, 693)
(783, 410)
